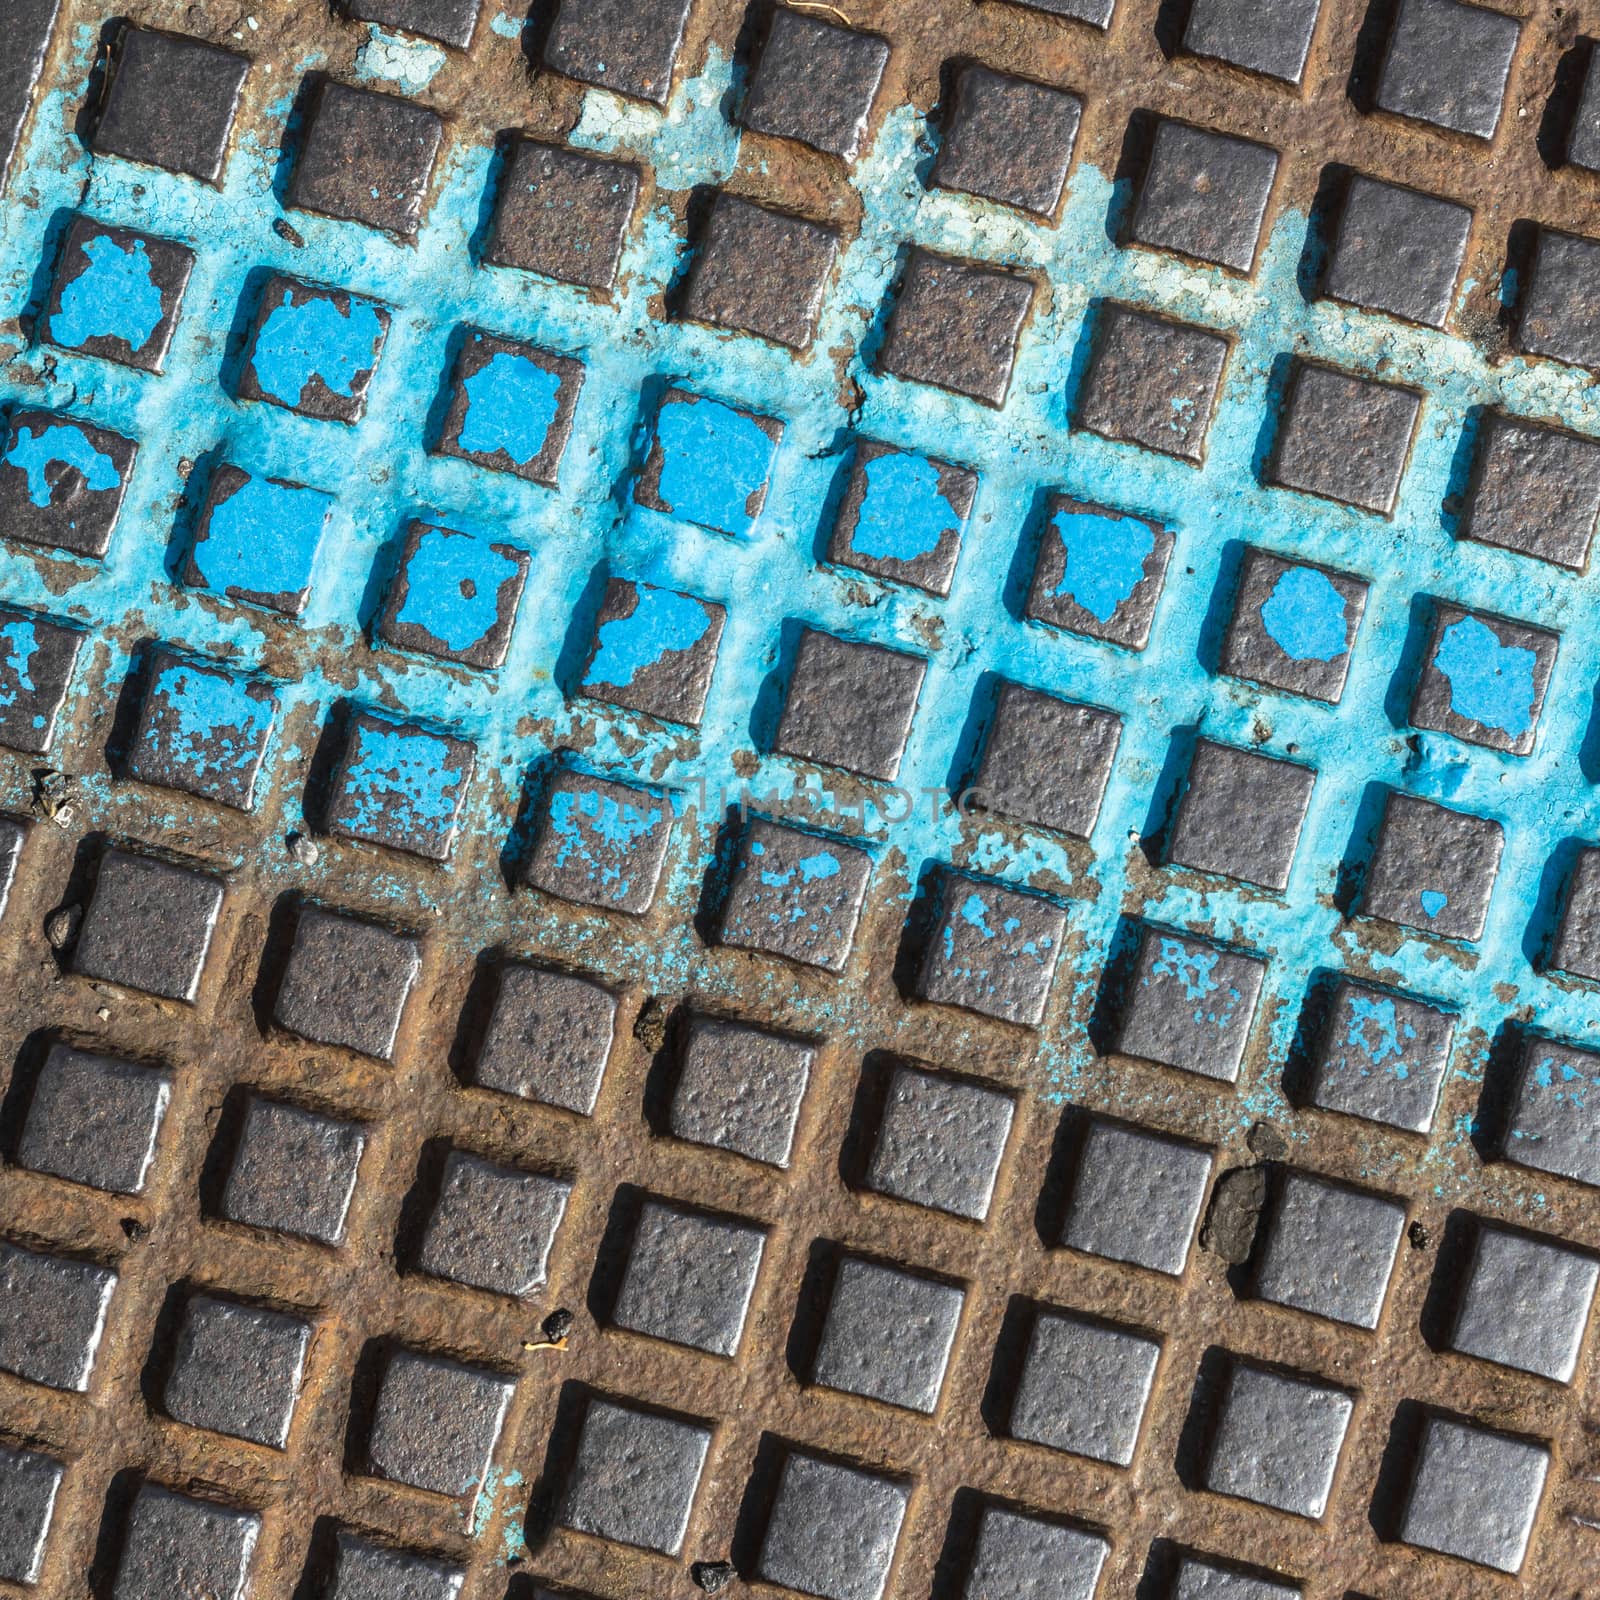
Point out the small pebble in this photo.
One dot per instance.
(557, 1325)
(304, 850)
(1419, 1236)
(712, 1576)
(61, 926)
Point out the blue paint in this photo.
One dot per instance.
(1305, 616)
(815, 868)
(1433, 902)
(1376, 1031)
(453, 582)
(401, 777)
(511, 404)
(312, 338)
(714, 461)
(20, 640)
(976, 915)
(1105, 559)
(112, 298)
(661, 623)
(61, 444)
(1194, 968)
(219, 725)
(904, 514)
(1490, 683)
(603, 833)
(262, 539)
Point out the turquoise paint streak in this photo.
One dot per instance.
(662, 623)
(1490, 683)
(263, 538)
(1305, 616)
(713, 459)
(405, 773)
(314, 340)
(221, 727)
(21, 641)
(1105, 559)
(61, 444)
(511, 402)
(1376, 1031)
(903, 514)
(453, 583)
(113, 297)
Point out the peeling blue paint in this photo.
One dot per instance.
(661, 623)
(112, 297)
(61, 444)
(1305, 616)
(1490, 683)
(314, 339)
(1105, 559)
(904, 513)
(263, 538)
(452, 586)
(714, 462)
(511, 404)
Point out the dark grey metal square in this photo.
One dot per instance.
(448, 21)
(1240, 815)
(1097, 13)
(287, 363)
(1474, 1494)
(176, 1545)
(453, 596)
(832, 1530)
(689, 1277)
(347, 982)
(1343, 437)
(547, 1038)
(1484, 679)
(366, 1571)
(815, 82)
(37, 658)
(1397, 250)
(1432, 868)
(993, 950)
(1447, 64)
(887, 1334)
(1190, 1005)
(436, 1422)
(28, 1485)
(293, 1171)
(1204, 195)
(601, 843)
(1576, 947)
(1206, 1580)
(796, 895)
(1267, 36)
(61, 484)
(1099, 572)
(739, 1088)
(1383, 1057)
(1293, 626)
(492, 1227)
(1277, 1440)
(1535, 490)
(1561, 304)
(400, 785)
(1046, 761)
(1033, 1558)
(1009, 139)
(618, 44)
(1152, 382)
(653, 651)
(1552, 1127)
(236, 1370)
(148, 925)
(52, 1314)
(94, 1119)
(902, 517)
(563, 213)
(709, 463)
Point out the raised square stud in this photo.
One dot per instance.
(148, 926)
(849, 705)
(1447, 64)
(116, 295)
(815, 83)
(1190, 1005)
(634, 1476)
(653, 651)
(170, 102)
(313, 350)
(1474, 1494)
(511, 407)
(993, 951)
(956, 326)
(796, 895)
(739, 1088)
(1046, 762)
(1484, 679)
(1525, 1303)
(1084, 1387)
(853, 1355)
(293, 1172)
(832, 1529)
(1534, 490)
(28, 1485)
(94, 1120)
(1033, 1558)
(939, 1142)
(1240, 815)
(401, 785)
(436, 1422)
(62, 482)
(1561, 306)
(52, 1313)
(902, 517)
(1097, 13)
(1199, 1579)
(366, 1571)
(1277, 1440)
(618, 45)
(1583, 141)
(759, 271)
(1099, 572)
(1553, 1121)
(709, 464)
(1328, 1250)
(1293, 626)
(1009, 139)
(176, 1544)
(454, 596)
(448, 21)
(1272, 37)
(601, 843)
(562, 213)
(492, 1227)
(689, 1277)
(236, 1370)
(547, 1038)
(1152, 382)
(1204, 195)
(257, 540)
(1383, 1057)
(203, 730)
(37, 658)
(1344, 438)
(1398, 251)
(1576, 947)
(346, 982)
(366, 157)
(1432, 868)
(1136, 1197)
